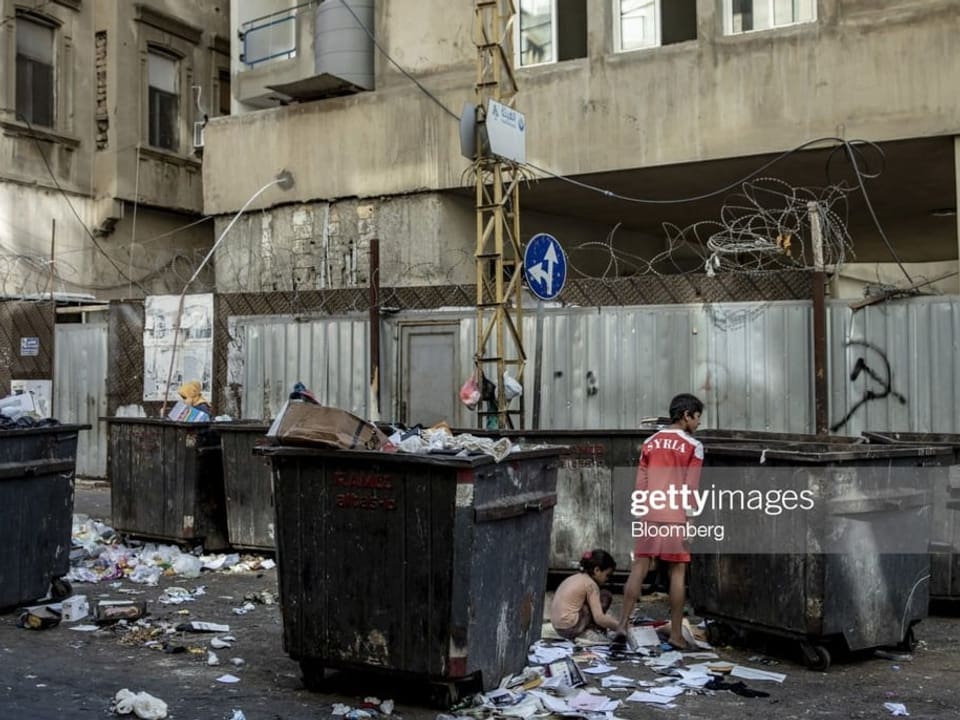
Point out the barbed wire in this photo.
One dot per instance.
(29, 275)
(764, 228)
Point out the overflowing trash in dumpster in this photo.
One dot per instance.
(303, 422)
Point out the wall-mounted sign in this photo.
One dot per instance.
(29, 346)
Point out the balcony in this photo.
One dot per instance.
(311, 51)
(270, 37)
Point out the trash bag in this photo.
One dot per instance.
(511, 387)
(142, 704)
(489, 391)
(470, 393)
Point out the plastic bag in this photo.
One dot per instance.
(511, 387)
(489, 391)
(470, 393)
(142, 704)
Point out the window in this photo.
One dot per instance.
(745, 15)
(35, 77)
(551, 31)
(164, 101)
(223, 79)
(651, 23)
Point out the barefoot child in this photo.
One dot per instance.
(579, 604)
(669, 461)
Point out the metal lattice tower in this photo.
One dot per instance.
(498, 255)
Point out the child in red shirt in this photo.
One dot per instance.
(670, 460)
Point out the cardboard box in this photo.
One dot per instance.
(302, 423)
(75, 608)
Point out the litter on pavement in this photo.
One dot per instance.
(581, 678)
(141, 704)
(99, 556)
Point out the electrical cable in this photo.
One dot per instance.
(66, 197)
(873, 214)
(397, 65)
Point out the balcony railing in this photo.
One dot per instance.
(271, 37)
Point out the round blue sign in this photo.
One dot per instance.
(544, 266)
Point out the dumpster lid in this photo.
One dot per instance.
(240, 426)
(45, 429)
(813, 453)
(435, 458)
(755, 436)
(157, 421)
(913, 438)
(557, 433)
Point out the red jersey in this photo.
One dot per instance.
(670, 458)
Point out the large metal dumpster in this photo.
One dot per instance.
(597, 473)
(166, 481)
(945, 522)
(849, 569)
(428, 566)
(247, 486)
(36, 491)
(598, 470)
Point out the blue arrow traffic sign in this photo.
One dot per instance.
(544, 266)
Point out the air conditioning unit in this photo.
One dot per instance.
(198, 134)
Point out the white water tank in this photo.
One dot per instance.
(341, 46)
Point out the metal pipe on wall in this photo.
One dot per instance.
(374, 409)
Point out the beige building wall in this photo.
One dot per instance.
(864, 69)
(426, 239)
(883, 70)
(132, 199)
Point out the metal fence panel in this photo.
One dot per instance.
(894, 366)
(270, 354)
(609, 367)
(80, 391)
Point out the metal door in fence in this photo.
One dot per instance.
(428, 370)
(80, 390)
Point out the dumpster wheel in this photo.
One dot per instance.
(444, 694)
(816, 657)
(909, 642)
(60, 589)
(313, 674)
(718, 633)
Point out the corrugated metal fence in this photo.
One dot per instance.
(80, 390)
(896, 366)
(609, 367)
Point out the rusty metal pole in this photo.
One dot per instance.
(818, 288)
(538, 368)
(374, 329)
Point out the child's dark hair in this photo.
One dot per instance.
(597, 560)
(683, 404)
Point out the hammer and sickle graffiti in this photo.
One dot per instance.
(883, 378)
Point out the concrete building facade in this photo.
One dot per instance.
(653, 100)
(100, 102)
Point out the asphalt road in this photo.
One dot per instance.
(60, 673)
